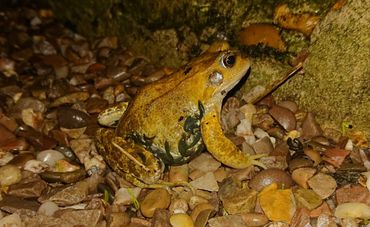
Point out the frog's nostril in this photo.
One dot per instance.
(216, 78)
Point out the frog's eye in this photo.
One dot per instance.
(216, 78)
(228, 60)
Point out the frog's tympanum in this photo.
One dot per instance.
(174, 119)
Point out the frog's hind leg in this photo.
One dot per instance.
(134, 163)
(129, 160)
(221, 147)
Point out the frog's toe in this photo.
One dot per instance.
(253, 160)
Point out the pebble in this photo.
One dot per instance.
(206, 182)
(13, 220)
(50, 157)
(302, 175)
(161, 218)
(228, 220)
(199, 208)
(118, 219)
(323, 190)
(352, 210)
(277, 204)
(181, 220)
(310, 127)
(307, 198)
(21, 159)
(35, 166)
(179, 173)
(205, 163)
(179, 206)
(158, 198)
(48, 208)
(29, 187)
(284, 117)
(124, 197)
(263, 146)
(254, 219)
(269, 176)
(9, 174)
(71, 118)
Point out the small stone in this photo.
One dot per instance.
(228, 220)
(179, 173)
(310, 128)
(70, 98)
(13, 220)
(124, 196)
(21, 159)
(323, 184)
(48, 208)
(9, 174)
(158, 198)
(32, 118)
(220, 174)
(307, 198)
(277, 204)
(178, 206)
(352, 210)
(237, 200)
(254, 219)
(206, 182)
(35, 166)
(353, 193)
(301, 218)
(195, 201)
(268, 176)
(28, 188)
(284, 117)
(205, 163)
(302, 175)
(71, 118)
(161, 218)
(118, 219)
(263, 146)
(50, 157)
(199, 208)
(181, 220)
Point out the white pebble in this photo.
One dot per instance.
(124, 197)
(50, 157)
(48, 208)
(349, 145)
(35, 166)
(13, 220)
(352, 210)
(9, 174)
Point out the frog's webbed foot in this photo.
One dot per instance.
(134, 163)
(221, 147)
(110, 116)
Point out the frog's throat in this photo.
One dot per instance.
(189, 146)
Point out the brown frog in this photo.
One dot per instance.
(174, 119)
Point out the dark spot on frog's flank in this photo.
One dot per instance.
(223, 92)
(142, 157)
(187, 70)
(181, 118)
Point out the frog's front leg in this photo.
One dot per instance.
(129, 160)
(221, 147)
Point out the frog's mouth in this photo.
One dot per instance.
(236, 86)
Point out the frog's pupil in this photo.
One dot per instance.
(229, 61)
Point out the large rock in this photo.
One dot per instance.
(336, 84)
